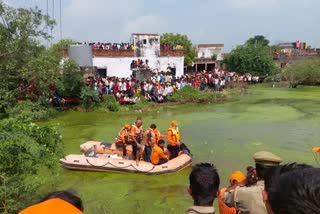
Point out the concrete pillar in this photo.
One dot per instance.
(205, 66)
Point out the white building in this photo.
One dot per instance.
(146, 47)
(205, 59)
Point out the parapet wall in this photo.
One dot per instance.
(164, 53)
(130, 53)
(112, 53)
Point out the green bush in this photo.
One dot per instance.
(26, 151)
(7, 100)
(190, 94)
(304, 72)
(111, 103)
(72, 79)
(31, 110)
(89, 98)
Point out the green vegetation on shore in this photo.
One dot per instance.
(189, 94)
(253, 57)
(303, 72)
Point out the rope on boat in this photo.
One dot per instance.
(121, 167)
(143, 171)
(96, 166)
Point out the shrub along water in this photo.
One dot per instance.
(26, 149)
(31, 110)
(111, 103)
(189, 94)
(89, 98)
(304, 72)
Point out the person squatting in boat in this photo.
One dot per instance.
(158, 156)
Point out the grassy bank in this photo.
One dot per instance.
(186, 95)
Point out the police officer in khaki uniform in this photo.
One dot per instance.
(248, 199)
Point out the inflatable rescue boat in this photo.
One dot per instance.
(100, 156)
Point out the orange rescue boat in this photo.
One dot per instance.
(105, 157)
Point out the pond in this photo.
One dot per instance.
(283, 121)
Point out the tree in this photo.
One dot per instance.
(306, 72)
(252, 58)
(26, 151)
(183, 40)
(258, 40)
(72, 78)
(20, 33)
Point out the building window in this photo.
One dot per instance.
(144, 41)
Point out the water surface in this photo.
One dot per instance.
(283, 121)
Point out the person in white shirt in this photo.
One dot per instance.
(123, 86)
(146, 87)
(169, 90)
(168, 77)
(165, 91)
(216, 83)
(150, 86)
(222, 84)
(126, 99)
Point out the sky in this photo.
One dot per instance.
(230, 22)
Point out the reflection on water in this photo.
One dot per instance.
(285, 122)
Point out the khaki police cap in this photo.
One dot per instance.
(266, 158)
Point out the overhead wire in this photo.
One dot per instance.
(60, 19)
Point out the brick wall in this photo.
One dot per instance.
(112, 53)
(176, 53)
(128, 53)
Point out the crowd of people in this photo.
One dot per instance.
(139, 64)
(164, 84)
(111, 46)
(168, 47)
(126, 46)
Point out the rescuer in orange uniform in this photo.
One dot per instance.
(149, 139)
(173, 136)
(122, 138)
(135, 138)
(157, 155)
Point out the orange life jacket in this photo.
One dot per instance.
(174, 137)
(136, 132)
(119, 136)
(52, 206)
(223, 208)
(157, 134)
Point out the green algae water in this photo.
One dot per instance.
(283, 121)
